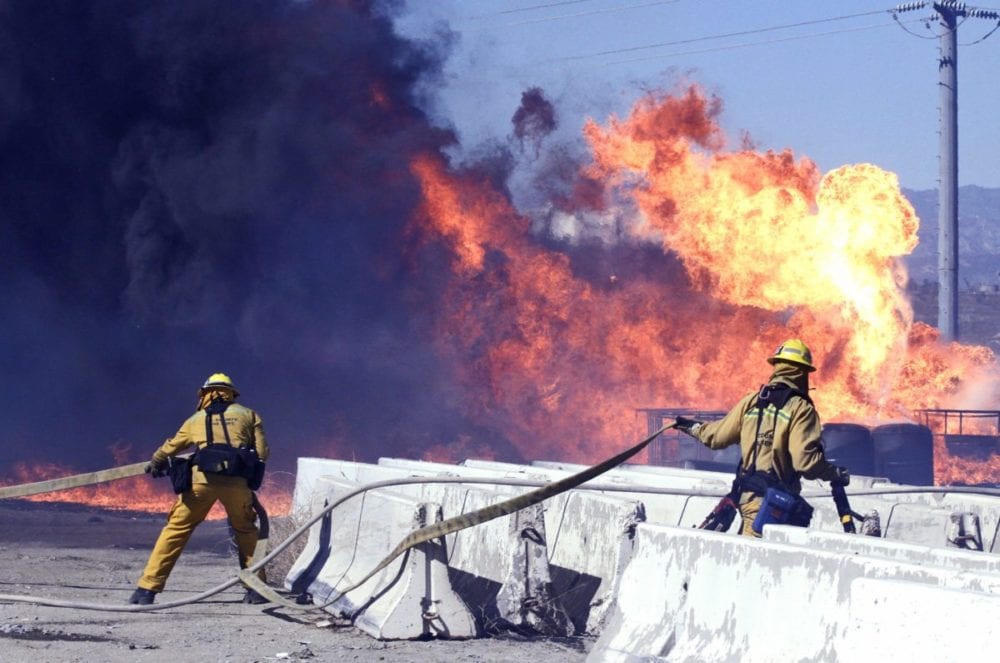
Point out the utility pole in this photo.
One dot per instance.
(948, 173)
(948, 13)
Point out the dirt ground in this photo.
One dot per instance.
(85, 554)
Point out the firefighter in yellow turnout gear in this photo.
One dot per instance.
(236, 425)
(780, 442)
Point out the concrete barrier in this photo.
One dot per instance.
(984, 507)
(691, 595)
(876, 547)
(713, 595)
(680, 510)
(307, 472)
(410, 598)
(938, 519)
(900, 621)
(589, 538)
(662, 470)
(500, 568)
(689, 512)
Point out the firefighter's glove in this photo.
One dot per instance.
(841, 476)
(156, 468)
(689, 426)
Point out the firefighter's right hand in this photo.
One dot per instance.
(842, 478)
(686, 425)
(156, 468)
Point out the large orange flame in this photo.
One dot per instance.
(771, 248)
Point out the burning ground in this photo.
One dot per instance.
(198, 186)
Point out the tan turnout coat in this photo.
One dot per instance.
(245, 429)
(790, 439)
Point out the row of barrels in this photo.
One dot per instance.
(902, 453)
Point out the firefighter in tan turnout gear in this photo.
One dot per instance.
(229, 439)
(778, 431)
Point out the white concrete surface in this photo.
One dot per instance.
(681, 510)
(412, 597)
(589, 537)
(921, 518)
(723, 598)
(488, 564)
(889, 549)
(670, 593)
(901, 621)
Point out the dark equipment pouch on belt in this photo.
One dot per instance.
(179, 471)
(223, 458)
(782, 508)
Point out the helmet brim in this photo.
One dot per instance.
(212, 387)
(808, 367)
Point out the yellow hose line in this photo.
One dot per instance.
(74, 481)
(407, 481)
(544, 491)
(416, 537)
(462, 521)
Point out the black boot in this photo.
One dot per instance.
(253, 597)
(142, 596)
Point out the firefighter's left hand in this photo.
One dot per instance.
(686, 425)
(156, 468)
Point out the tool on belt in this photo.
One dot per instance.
(847, 516)
(722, 516)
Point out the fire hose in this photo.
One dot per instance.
(544, 491)
(113, 474)
(75, 481)
(422, 535)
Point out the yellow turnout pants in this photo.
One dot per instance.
(188, 511)
(749, 510)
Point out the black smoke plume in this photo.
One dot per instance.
(198, 186)
(534, 119)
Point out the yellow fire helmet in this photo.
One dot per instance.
(218, 381)
(794, 351)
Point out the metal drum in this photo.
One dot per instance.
(850, 445)
(904, 453)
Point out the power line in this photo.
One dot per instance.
(518, 10)
(926, 21)
(758, 43)
(965, 13)
(984, 37)
(741, 33)
(593, 12)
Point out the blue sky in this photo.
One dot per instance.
(839, 91)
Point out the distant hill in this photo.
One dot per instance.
(978, 237)
(978, 258)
